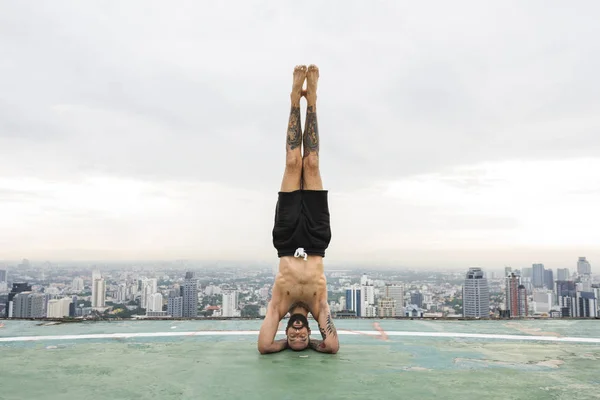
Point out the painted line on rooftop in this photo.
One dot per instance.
(340, 332)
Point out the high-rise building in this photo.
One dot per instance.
(59, 308)
(78, 285)
(3, 275)
(28, 305)
(155, 302)
(16, 289)
(189, 292)
(565, 298)
(515, 296)
(476, 294)
(354, 300)
(538, 276)
(175, 306)
(523, 307)
(98, 290)
(512, 294)
(562, 274)
(416, 298)
(396, 292)
(230, 303)
(583, 266)
(586, 304)
(549, 279)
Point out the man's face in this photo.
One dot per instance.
(298, 333)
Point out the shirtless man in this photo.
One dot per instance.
(301, 234)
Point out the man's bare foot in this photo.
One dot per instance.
(299, 78)
(312, 78)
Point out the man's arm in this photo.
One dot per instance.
(330, 343)
(268, 330)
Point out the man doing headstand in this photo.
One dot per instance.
(301, 234)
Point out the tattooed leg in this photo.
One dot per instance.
(311, 175)
(293, 159)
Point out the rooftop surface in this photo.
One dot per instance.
(549, 359)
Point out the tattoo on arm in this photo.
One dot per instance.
(311, 133)
(328, 329)
(294, 132)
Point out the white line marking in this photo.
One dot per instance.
(340, 332)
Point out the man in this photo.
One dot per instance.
(301, 234)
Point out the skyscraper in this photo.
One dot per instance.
(28, 305)
(562, 274)
(549, 279)
(16, 289)
(583, 266)
(476, 294)
(98, 290)
(538, 275)
(189, 292)
(175, 306)
(354, 300)
(230, 303)
(396, 292)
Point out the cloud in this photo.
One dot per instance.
(172, 98)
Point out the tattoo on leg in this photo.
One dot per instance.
(311, 133)
(294, 132)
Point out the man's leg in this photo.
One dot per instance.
(293, 159)
(311, 176)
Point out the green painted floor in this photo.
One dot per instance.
(229, 367)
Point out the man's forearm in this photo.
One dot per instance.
(276, 346)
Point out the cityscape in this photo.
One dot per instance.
(182, 290)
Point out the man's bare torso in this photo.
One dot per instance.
(300, 282)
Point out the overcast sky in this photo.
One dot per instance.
(452, 134)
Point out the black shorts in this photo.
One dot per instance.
(302, 220)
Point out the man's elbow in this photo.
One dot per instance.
(262, 349)
(335, 348)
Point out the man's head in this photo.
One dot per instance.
(298, 332)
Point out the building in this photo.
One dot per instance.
(28, 305)
(386, 307)
(395, 292)
(16, 289)
(416, 298)
(549, 279)
(583, 267)
(230, 304)
(175, 306)
(476, 294)
(155, 302)
(543, 301)
(59, 308)
(586, 304)
(354, 300)
(562, 274)
(538, 276)
(522, 303)
(77, 285)
(512, 295)
(3, 275)
(189, 292)
(565, 298)
(98, 290)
